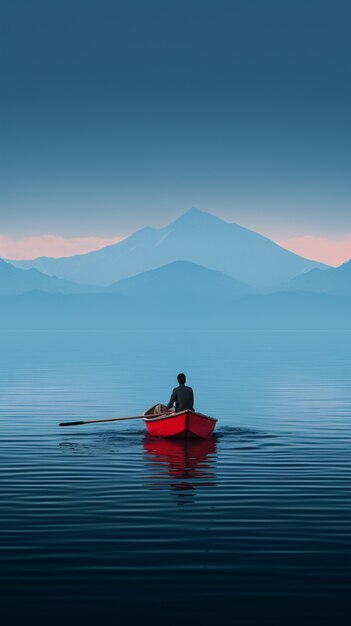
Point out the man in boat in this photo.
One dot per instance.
(182, 397)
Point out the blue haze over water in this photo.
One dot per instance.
(98, 524)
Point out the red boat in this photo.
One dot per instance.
(184, 424)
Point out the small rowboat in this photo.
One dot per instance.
(185, 424)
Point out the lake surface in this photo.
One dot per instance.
(99, 524)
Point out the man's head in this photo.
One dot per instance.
(181, 378)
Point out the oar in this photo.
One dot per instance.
(112, 419)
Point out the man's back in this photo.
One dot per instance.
(182, 397)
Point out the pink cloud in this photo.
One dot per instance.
(324, 249)
(51, 245)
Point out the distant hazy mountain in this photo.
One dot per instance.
(335, 281)
(37, 310)
(196, 236)
(182, 284)
(292, 311)
(15, 281)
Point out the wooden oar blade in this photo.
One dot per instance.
(71, 423)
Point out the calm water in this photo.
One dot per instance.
(99, 524)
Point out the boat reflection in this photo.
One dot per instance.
(184, 465)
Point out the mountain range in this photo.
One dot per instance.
(37, 310)
(180, 284)
(14, 281)
(196, 236)
(179, 293)
(335, 281)
(176, 282)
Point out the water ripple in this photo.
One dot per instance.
(254, 523)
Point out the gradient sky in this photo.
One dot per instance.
(118, 114)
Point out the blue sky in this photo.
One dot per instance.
(120, 114)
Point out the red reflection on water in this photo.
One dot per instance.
(188, 462)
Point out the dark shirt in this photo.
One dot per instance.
(182, 397)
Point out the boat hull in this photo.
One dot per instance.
(186, 424)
